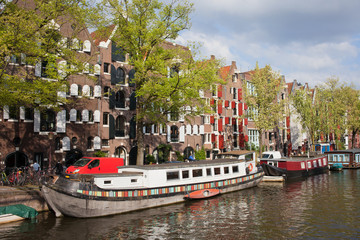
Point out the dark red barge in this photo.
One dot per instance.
(295, 167)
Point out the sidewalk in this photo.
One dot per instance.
(29, 196)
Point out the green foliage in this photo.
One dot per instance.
(201, 154)
(100, 154)
(150, 159)
(30, 36)
(164, 152)
(179, 157)
(264, 107)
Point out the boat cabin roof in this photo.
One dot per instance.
(353, 151)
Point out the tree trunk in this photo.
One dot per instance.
(139, 138)
(260, 143)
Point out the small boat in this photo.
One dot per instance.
(336, 167)
(16, 212)
(295, 167)
(139, 187)
(203, 193)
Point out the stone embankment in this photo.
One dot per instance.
(30, 196)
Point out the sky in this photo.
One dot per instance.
(308, 40)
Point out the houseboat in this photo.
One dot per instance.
(140, 187)
(295, 166)
(343, 159)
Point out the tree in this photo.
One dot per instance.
(168, 78)
(30, 36)
(353, 112)
(307, 111)
(262, 99)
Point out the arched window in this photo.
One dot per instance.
(48, 121)
(120, 126)
(120, 99)
(90, 143)
(120, 152)
(120, 76)
(174, 133)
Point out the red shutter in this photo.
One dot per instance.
(233, 122)
(227, 103)
(241, 140)
(221, 142)
(212, 102)
(220, 91)
(240, 109)
(220, 107)
(212, 120)
(239, 94)
(288, 121)
(246, 121)
(220, 125)
(213, 137)
(245, 106)
(240, 126)
(246, 138)
(227, 120)
(233, 104)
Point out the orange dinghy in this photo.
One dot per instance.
(204, 193)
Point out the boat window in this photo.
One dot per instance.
(235, 169)
(172, 175)
(197, 173)
(248, 157)
(335, 158)
(302, 165)
(341, 158)
(107, 182)
(357, 158)
(331, 157)
(319, 160)
(81, 162)
(324, 161)
(226, 170)
(266, 156)
(134, 180)
(185, 174)
(347, 157)
(217, 171)
(208, 172)
(314, 163)
(309, 164)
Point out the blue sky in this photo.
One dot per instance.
(309, 40)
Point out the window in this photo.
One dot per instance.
(309, 164)
(217, 171)
(29, 114)
(120, 99)
(226, 170)
(91, 116)
(58, 144)
(208, 172)
(47, 121)
(185, 174)
(78, 116)
(120, 152)
(14, 113)
(235, 169)
(90, 143)
(94, 163)
(105, 118)
(302, 165)
(105, 143)
(120, 76)
(91, 91)
(106, 92)
(172, 175)
(197, 172)
(254, 137)
(106, 67)
(79, 91)
(120, 126)
(174, 135)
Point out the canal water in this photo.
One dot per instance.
(325, 206)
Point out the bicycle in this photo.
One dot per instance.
(4, 179)
(16, 177)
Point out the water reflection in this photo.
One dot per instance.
(321, 207)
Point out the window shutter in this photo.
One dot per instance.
(87, 46)
(220, 124)
(97, 116)
(239, 94)
(113, 75)
(97, 91)
(195, 129)
(74, 89)
(61, 122)
(73, 115)
(212, 119)
(220, 91)
(111, 127)
(202, 129)
(221, 142)
(38, 69)
(86, 91)
(36, 120)
(182, 134)
(220, 108)
(85, 115)
(97, 143)
(233, 105)
(240, 109)
(168, 133)
(97, 69)
(188, 129)
(112, 100)
(6, 112)
(22, 113)
(66, 144)
(131, 78)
